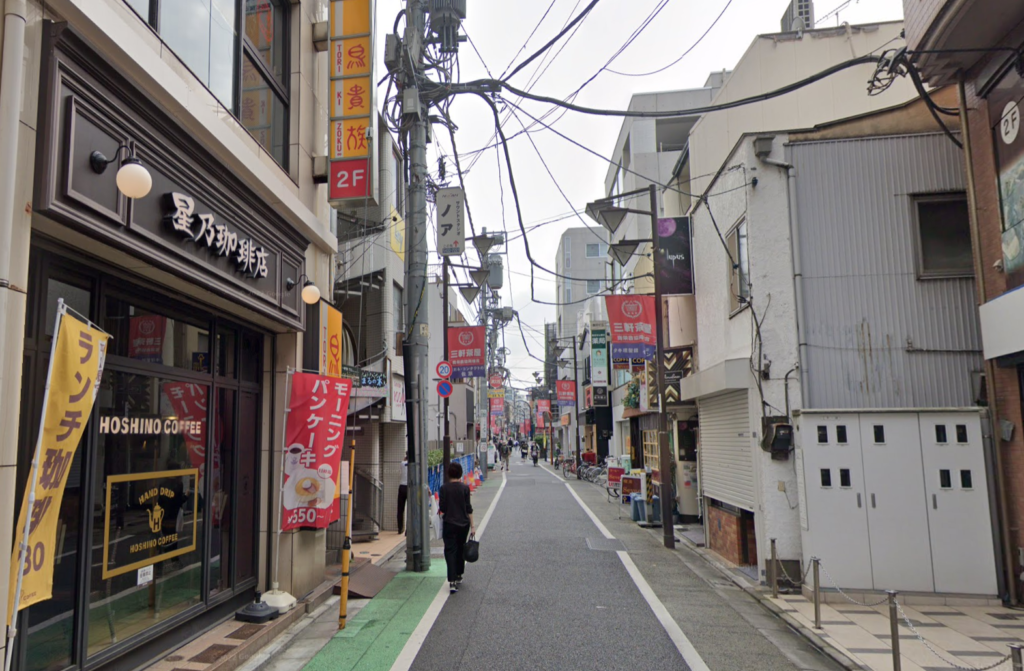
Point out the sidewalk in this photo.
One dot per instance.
(856, 630)
(964, 636)
(379, 628)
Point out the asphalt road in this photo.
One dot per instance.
(541, 598)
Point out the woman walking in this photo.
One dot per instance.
(457, 517)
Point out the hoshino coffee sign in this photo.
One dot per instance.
(148, 426)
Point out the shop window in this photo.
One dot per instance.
(144, 335)
(244, 499)
(943, 236)
(226, 352)
(149, 471)
(77, 298)
(246, 71)
(739, 268)
(251, 359)
(221, 460)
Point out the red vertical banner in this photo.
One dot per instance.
(566, 392)
(634, 335)
(467, 351)
(189, 402)
(146, 338)
(542, 408)
(315, 435)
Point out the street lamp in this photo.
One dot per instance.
(605, 212)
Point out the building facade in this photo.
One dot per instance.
(990, 86)
(198, 282)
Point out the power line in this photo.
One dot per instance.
(685, 53)
(554, 39)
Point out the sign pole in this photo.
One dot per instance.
(665, 457)
(283, 601)
(346, 552)
(447, 458)
(12, 630)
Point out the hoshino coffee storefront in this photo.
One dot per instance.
(194, 282)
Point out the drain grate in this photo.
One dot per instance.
(606, 544)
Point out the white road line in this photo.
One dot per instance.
(679, 639)
(419, 635)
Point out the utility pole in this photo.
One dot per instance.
(447, 449)
(415, 348)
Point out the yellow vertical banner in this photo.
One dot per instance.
(76, 366)
(330, 340)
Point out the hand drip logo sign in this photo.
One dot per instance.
(156, 518)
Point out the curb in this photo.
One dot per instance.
(810, 635)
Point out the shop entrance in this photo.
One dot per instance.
(158, 523)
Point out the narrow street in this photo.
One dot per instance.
(551, 592)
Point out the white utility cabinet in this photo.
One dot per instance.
(897, 500)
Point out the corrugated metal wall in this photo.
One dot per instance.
(726, 457)
(879, 337)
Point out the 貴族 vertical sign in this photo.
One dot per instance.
(352, 96)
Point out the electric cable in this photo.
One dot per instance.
(685, 53)
(582, 15)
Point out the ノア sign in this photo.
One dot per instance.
(566, 392)
(330, 340)
(350, 179)
(467, 351)
(315, 434)
(632, 326)
(77, 356)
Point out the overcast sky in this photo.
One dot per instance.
(499, 31)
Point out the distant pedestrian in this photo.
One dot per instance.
(457, 518)
(403, 495)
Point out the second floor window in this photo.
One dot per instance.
(238, 52)
(739, 271)
(593, 286)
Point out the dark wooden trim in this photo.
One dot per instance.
(98, 90)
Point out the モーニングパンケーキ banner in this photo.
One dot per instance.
(315, 431)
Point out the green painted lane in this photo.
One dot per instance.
(376, 635)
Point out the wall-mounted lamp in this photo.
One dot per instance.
(133, 180)
(310, 292)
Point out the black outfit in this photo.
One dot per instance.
(455, 507)
(403, 496)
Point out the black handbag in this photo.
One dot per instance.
(472, 551)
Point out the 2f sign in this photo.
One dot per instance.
(451, 222)
(350, 179)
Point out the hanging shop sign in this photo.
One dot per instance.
(248, 257)
(467, 352)
(451, 221)
(678, 364)
(600, 396)
(543, 411)
(372, 384)
(330, 340)
(497, 406)
(353, 373)
(496, 393)
(566, 392)
(632, 326)
(399, 411)
(588, 397)
(149, 518)
(315, 431)
(353, 108)
(77, 356)
(599, 356)
(676, 267)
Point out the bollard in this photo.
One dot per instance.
(773, 574)
(894, 628)
(817, 594)
(1017, 661)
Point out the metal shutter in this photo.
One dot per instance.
(726, 459)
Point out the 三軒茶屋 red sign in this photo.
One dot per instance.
(315, 434)
(467, 351)
(566, 392)
(632, 326)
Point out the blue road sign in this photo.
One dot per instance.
(444, 388)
